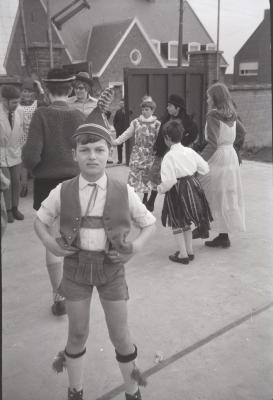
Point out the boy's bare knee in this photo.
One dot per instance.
(78, 337)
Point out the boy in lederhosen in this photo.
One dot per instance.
(95, 212)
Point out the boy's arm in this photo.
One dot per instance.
(168, 176)
(144, 220)
(42, 231)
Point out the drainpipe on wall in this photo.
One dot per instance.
(49, 30)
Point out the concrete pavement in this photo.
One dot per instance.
(211, 321)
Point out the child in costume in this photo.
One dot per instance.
(95, 213)
(144, 129)
(176, 109)
(184, 201)
(223, 185)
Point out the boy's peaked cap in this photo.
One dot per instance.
(96, 124)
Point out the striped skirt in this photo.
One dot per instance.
(186, 203)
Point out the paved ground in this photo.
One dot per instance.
(211, 321)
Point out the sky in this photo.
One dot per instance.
(238, 20)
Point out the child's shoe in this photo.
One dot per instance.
(74, 395)
(58, 307)
(136, 396)
(17, 214)
(174, 257)
(191, 257)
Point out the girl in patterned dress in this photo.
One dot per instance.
(144, 129)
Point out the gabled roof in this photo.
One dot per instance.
(155, 18)
(256, 32)
(106, 39)
(103, 40)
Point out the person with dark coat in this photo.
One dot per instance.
(176, 111)
(120, 125)
(47, 154)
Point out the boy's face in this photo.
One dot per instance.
(147, 112)
(11, 104)
(92, 159)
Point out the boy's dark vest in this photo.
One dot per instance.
(116, 216)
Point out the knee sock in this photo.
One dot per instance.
(180, 242)
(131, 375)
(152, 197)
(75, 368)
(188, 241)
(145, 198)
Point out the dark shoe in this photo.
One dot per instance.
(10, 216)
(174, 257)
(198, 234)
(218, 242)
(110, 162)
(58, 308)
(24, 191)
(74, 395)
(136, 396)
(191, 257)
(17, 214)
(149, 206)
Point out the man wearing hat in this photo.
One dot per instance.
(47, 154)
(82, 100)
(11, 133)
(95, 213)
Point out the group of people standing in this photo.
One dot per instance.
(84, 215)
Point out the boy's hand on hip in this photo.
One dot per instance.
(57, 250)
(119, 258)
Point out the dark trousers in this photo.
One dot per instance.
(120, 152)
(11, 195)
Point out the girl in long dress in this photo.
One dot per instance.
(144, 129)
(222, 185)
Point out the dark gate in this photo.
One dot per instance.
(160, 83)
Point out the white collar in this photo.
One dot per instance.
(101, 182)
(150, 119)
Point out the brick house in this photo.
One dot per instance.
(252, 63)
(108, 35)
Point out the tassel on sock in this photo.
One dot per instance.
(138, 377)
(58, 364)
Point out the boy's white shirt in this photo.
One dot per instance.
(94, 239)
(178, 162)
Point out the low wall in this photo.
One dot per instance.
(254, 104)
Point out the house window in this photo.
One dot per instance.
(248, 68)
(156, 44)
(22, 58)
(172, 51)
(194, 46)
